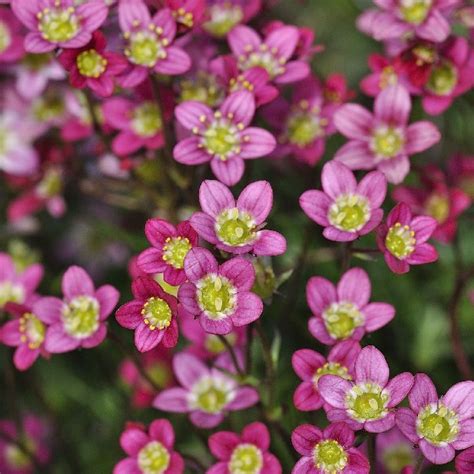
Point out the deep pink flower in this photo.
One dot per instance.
(403, 239)
(59, 23)
(152, 314)
(310, 366)
(439, 425)
(149, 43)
(245, 453)
(207, 394)
(465, 462)
(223, 138)
(219, 294)
(345, 208)
(368, 402)
(78, 320)
(344, 311)
(237, 226)
(328, 450)
(187, 13)
(149, 451)
(461, 173)
(273, 53)
(11, 45)
(383, 140)
(170, 245)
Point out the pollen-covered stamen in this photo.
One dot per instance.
(58, 24)
(146, 47)
(215, 345)
(91, 63)
(397, 456)
(32, 330)
(342, 319)
(332, 368)
(11, 293)
(184, 17)
(146, 120)
(367, 401)
(387, 142)
(223, 16)
(153, 458)
(415, 11)
(349, 212)
(437, 206)
(246, 459)
(203, 88)
(216, 296)
(211, 394)
(175, 251)
(400, 240)
(305, 125)
(5, 37)
(156, 313)
(329, 456)
(240, 83)
(425, 54)
(438, 424)
(235, 227)
(388, 77)
(81, 317)
(221, 138)
(443, 79)
(264, 57)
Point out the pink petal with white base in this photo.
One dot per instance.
(354, 286)
(371, 366)
(337, 179)
(198, 263)
(214, 197)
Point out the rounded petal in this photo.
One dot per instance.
(177, 61)
(240, 272)
(198, 263)
(333, 389)
(420, 136)
(257, 434)
(132, 440)
(465, 438)
(222, 444)
(354, 286)
(25, 357)
(423, 226)
(77, 282)
(395, 169)
(356, 155)
(229, 172)
(245, 397)
(269, 243)
(162, 431)
(353, 121)
(48, 309)
(192, 114)
(241, 38)
(306, 362)
(214, 197)
(399, 387)
(239, 107)
(423, 393)
(316, 204)
(341, 433)
(172, 399)
(435, 454)
(406, 422)
(249, 308)
(129, 315)
(188, 369)
(393, 105)
(187, 298)
(57, 341)
(188, 152)
(304, 438)
(374, 187)
(337, 179)
(460, 398)
(306, 397)
(377, 315)
(203, 224)
(320, 293)
(146, 339)
(371, 366)
(257, 200)
(257, 142)
(108, 297)
(151, 261)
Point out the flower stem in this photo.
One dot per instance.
(270, 369)
(419, 464)
(232, 353)
(372, 452)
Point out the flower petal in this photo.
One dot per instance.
(371, 366)
(399, 387)
(215, 197)
(337, 179)
(76, 282)
(420, 136)
(304, 438)
(334, 389)
(392, 106)
(353, 121)
(377, 315)
(354, 286)
(320, 293)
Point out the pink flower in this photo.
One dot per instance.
(78, 320)
(223, 138)
(11, 47)
(273, 53)
(461, 173)
(170, 245)
(187, 13)
(152, 314)
(236, 227)
(328, 450)
(149, 42)
(207, 394)
(245, 453)
(368, 402)
(344, 311)
(149, 451)
(310, 366)
(465, 462)
(439, 426)
(15, 286)
(402, 240)
(383, 139)
(59, 23)
(219, 294)
(92, 66)
(345, 208)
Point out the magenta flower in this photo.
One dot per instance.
(207, 394)
(149, 451)
(345, 208)
(327, 451)
(245, 453)
(402, 240)
(368, 402)
(18, 287)
(170, 245)
(237, 227)
(310, 366)
(11, 45)
(439, 426)
(152, 314)
(59, 23)
(92, 66)
(465, 462)
(272, 54)
(219, 294)
(394, 451)
(383, 140)
(78, 320)
(344, 311)
(149, 42)
(187, 13)
(223, 138)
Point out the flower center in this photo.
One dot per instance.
(146, 120)
(81, 317)
(387, 142)
(16, 458)
(145, 47)
(424, 54)
(184, 17)
(367, 401)
(175, 251)
(329, 456)
(91, 63)
(349, 212)
(396, 457)
(49, 107)
(5, 38)
(331, 368)
(246, 459)
(415, 11)
(222, 18)
(263, 57)
(400, 240)
(221, 139)
(437, 424)
(437, 206)
(153, 458)
(58, 25)
(341, 319)
(156, 313)
(159, 373)
(443, 79)
(32, 330)
(215, 345)
(216, 296)
(51, 185)
(304, 127)
(204, 88)
(235, 227)
(212, 394)
(388, 77)
(10, 293)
